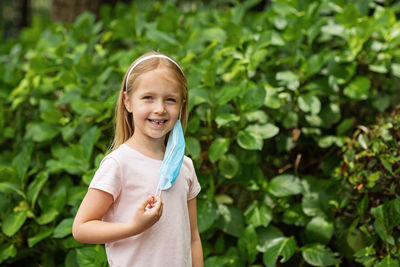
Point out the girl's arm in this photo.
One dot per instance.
(197, 250)
(89, 228)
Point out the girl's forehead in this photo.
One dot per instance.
(158, 79)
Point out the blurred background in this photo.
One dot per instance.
(294, 124)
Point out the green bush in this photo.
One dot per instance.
(274, 97)
(370, 184)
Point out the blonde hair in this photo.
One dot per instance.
(124, 127)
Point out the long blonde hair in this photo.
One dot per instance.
(124, 127)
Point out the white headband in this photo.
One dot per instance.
(146, 58)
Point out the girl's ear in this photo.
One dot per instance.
(127, 103)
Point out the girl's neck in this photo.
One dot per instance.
(151, 148)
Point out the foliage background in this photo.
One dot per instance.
(293, 127)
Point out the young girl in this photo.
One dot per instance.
(120, 208)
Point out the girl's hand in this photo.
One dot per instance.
(147, 214)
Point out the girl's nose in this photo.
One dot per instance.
(159, 107)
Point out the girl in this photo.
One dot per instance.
(115, 210)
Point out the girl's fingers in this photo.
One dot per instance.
(161, 210)
(158, 207)
(147, 203)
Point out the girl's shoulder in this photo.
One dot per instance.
(187, 164)
(116, 155)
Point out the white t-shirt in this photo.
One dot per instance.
(130, 177)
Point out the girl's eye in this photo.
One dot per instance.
(171, 100)
(147, 97)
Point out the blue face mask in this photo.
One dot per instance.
(173, 158)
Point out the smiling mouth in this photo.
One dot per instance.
(158, 122)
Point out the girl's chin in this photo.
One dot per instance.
(158, 134)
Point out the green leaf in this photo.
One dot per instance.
(160, 37)
(328, 141)
(372, 179)
(288, 79)
(330, 114)
(388, 261)
(84, 108)
(285, 185)
(258, 215)
(48, 112)
(71, 259)
(311, 205)
(11, 188)
(76, 194)
(22, 160)
(313, 65)
(265, 131)
(259, 116)
(209, 75)
(45, 232)
(294, 215)
(207, 214)
(309, 103)
(226, 118)
(64, 228)
(227, 93)
(333, 29)
(378, 68)
(348, 16)
(290, 119)
(88, 140)
(41, 131)
(48, 216)
(215, 33)
(193, 147)
(272, 97)
(70, 242)
(229, 166)
(230, 220)
(366, 256)
(319, 230)
(218, 148)
(256, 58)
(358, 88)
(198, 96)
(282, 246)
(396, 69)
(35, 187)
(269, 37)
(249, 140)
(382, 231)
(341, 73)
(13, 223)
(93, 256)
(266, 235)
(318, 255)
(7, 251)
(387, 165)
(367, 251)
(230, 258)
(8, 174)
(381, 103)
(247, 244)
(253, 99)
(168, 20)
(344, 126)
(394, 212)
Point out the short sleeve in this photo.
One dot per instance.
(194, 187)
(107, 177)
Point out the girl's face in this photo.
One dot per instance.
(155, 105)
